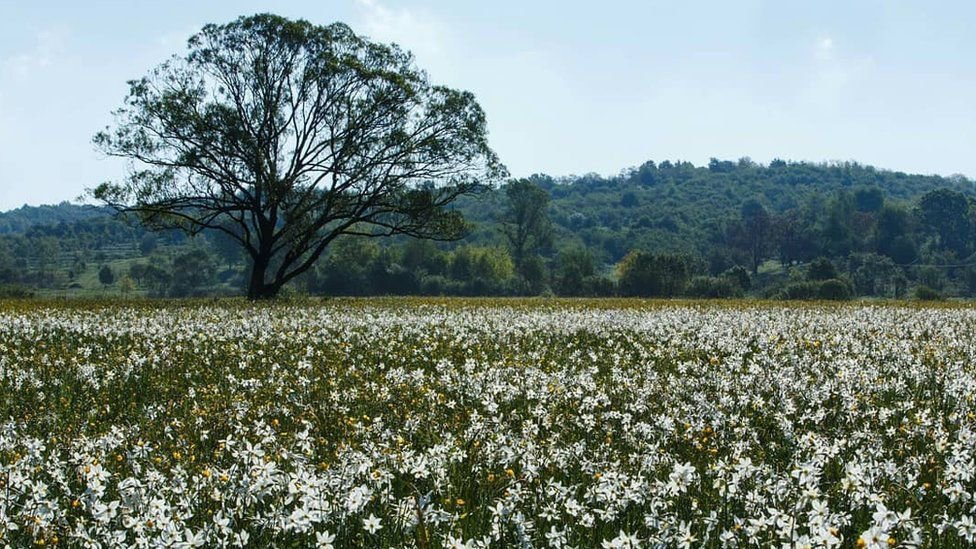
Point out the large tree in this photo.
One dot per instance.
(285, 135)
(946, 213)
(526, 224)
(753, 232)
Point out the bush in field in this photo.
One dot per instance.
(653, 275)
(834, 290)
(740, 275)
(439, 285)
(807, 289)
(821, 269)
(599, 286)
(712, 287)
(573, 266)
(925, 293)
(14, 291)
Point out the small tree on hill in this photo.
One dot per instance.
(106, 276)
(753, 232)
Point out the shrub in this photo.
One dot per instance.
(834, 290)
(15, 292)
(439, 285)
(712, 287)
(821, 269)
(740, 275)
(599, 286)
(653, 275)
(924, 293)
(800, 290)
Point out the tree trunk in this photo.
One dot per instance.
(257, 288)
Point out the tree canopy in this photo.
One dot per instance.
(285, 135)
(526, 224)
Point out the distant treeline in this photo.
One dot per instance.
(783, 230)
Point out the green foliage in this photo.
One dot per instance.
(345, 271)
(12, 291)
(821, 269)
(805, 290)
(527, 228)
(489, 263)
(533, 276)
(740, 276)
(284, 135)
(653, 275)
(874, 275)
(193, 272)
(753, 233)
(830, 212)
(573, 267)
(106, 276)
(22, 219)
(924, 293)
(834, 290)
(946, 214)
(869, 199)
(713, 287)
(148, 243)
(151, 277)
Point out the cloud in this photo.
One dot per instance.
(824, 49)
(417, 31)
(833, 74)
(48, 47)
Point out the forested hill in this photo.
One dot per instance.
(680, 207)
(723, 216)
(670, 205)
(21, 219)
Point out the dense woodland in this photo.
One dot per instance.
(791, 230)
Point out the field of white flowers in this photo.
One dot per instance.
(477, 424)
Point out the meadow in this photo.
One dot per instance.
(480, 423)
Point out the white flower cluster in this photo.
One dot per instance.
(477, 424)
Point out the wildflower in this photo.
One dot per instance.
(966, 528)
(324, 540)
(685, 538)
(458, 543)
(556, 537)
(372, 524)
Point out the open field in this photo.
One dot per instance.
(482, 423)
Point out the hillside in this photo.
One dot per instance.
(676, 206)
(21, 219)
(835, 210)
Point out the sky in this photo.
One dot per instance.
(569, 87)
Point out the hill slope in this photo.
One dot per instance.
(668, 207)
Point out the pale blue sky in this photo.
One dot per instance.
(569, 87)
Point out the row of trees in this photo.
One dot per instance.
(876, 246)
(941, 226)
(856, 242)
